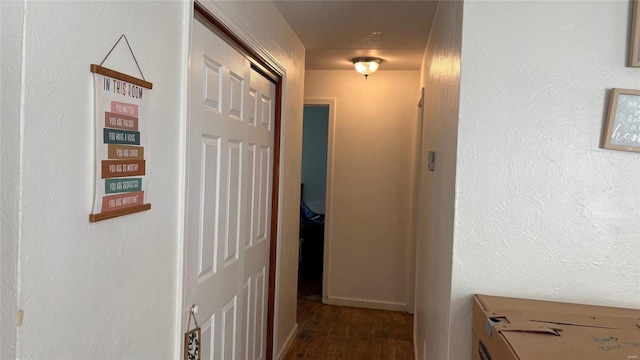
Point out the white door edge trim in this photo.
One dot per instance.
(182, 181)
(326, 266)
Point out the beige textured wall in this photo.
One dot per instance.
(370, 214)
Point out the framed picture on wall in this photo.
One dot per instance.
(622, 126)
(192, 344)
(634, 47)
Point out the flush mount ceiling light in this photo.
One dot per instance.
(366, 65)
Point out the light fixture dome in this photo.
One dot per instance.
(366, 65)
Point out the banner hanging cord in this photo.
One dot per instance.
(130, 50)
(192, 314)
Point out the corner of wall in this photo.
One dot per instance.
(437, 189)
(187, 24)
(288, 343)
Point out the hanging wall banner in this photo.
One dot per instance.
(121, 144)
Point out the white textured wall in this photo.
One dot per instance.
(108, 289)
(11, 16)
(263, 24)
(543, 212)
(436, 194)
(372, 183)
(109, 283)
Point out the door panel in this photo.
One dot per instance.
(253, 195)
(257, 248)
(208, 237)
(260, 316)
(228, 332)
(207, 341)
(247, 324)
(234, 201)
(230, 142)
(212, 85)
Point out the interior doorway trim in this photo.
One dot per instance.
(268, 66)
(326, 266)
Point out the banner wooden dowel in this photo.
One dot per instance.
(116, 213)
(120, 76)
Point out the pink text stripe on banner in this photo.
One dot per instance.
(124, 108)
(124, 200)
(119, 121)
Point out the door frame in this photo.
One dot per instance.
(326, 262)
(417, 176)
(266, 65)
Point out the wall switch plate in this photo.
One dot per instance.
(432, 160)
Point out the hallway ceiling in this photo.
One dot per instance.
(334, 32)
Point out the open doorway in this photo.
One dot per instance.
(313, 195)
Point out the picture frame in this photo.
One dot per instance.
(192, 344)
(634, 46)
(622, 124)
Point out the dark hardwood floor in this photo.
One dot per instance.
(327, 332)
(337, 332)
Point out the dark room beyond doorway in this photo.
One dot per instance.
(312, 200)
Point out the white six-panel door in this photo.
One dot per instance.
(230, 152)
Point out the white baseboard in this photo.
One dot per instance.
(364, 303)
(287, 345)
